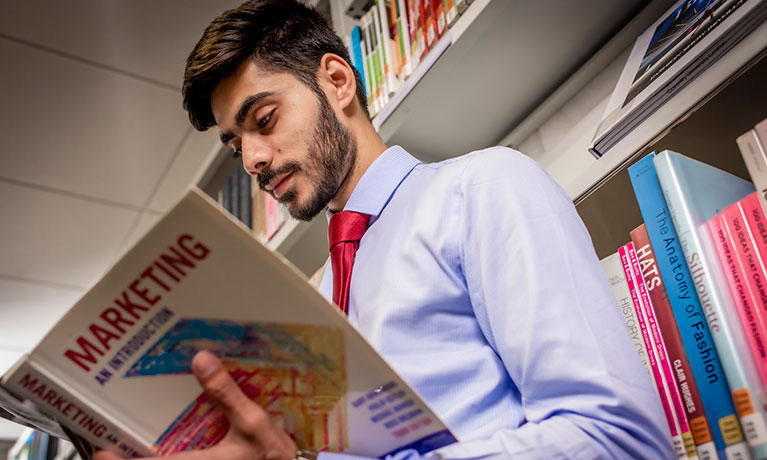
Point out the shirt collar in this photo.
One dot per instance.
(380, 181)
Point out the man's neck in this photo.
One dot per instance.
(369, 148)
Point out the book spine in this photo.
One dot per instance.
(725, 248)
(412, 20)
(753, 215)
(438, 10)
(726, 332)
(747, 280)
(403, 24)
(616, 274)
(656, 353)
(656, 376)
(373, 93)
(388, 60)
(703, 358)
(754, 155)
(429, 24)
(359, 60)
(451, 12)
(381, 92)
(79, 417)
(677, 356)
(396, 39)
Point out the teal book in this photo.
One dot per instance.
(696, 192)
(359, 63)
(693, 328)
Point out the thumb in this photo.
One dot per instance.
(222, 389)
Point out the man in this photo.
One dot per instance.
(475, 279)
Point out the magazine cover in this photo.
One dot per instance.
(671, 53)
(116, 368)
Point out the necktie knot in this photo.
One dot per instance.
(347, 226)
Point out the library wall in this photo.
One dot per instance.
(561, 143)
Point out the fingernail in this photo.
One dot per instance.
(204, 363)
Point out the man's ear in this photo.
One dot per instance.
(338, 78)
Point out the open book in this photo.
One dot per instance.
(116, 369)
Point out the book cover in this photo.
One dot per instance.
(655, 351)
(736, 253)
(116, 368)
(683, 378)
(690, 317)
(695, 192)
(613, 268)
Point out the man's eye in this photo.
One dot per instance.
(265, 120)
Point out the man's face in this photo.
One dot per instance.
(288, 136)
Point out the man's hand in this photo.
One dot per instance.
(251, 435)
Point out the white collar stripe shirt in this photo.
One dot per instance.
(478, 283)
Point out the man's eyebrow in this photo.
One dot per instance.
(249, 101)
(242, 113)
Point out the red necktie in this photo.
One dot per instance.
(344, 234)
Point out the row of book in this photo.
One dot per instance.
(393, 37)
(692, 287)
(252, 206)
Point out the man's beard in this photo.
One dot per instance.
(331, 155)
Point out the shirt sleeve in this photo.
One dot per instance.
(545, 306)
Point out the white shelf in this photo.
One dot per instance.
(594, 172)
(505, 58)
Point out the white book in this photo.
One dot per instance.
(116, 369)
(613, 269)
(755, 158)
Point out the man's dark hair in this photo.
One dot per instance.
(280, 35)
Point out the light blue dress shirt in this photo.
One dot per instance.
(477, 281)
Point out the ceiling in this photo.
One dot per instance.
(94, 144)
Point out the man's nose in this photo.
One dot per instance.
(255, 157)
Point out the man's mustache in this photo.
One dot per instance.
(268, 174)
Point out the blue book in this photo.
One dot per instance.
(359, 63)
(696, 192)
(690, 318)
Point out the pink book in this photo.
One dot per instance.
(623, 252)
(660, 348)
(725, 228)
(754, 248)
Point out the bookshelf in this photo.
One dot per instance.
(503, 60)
(488, 111)
(706, 133)
(500, 92)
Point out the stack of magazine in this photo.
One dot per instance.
(671, 53)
